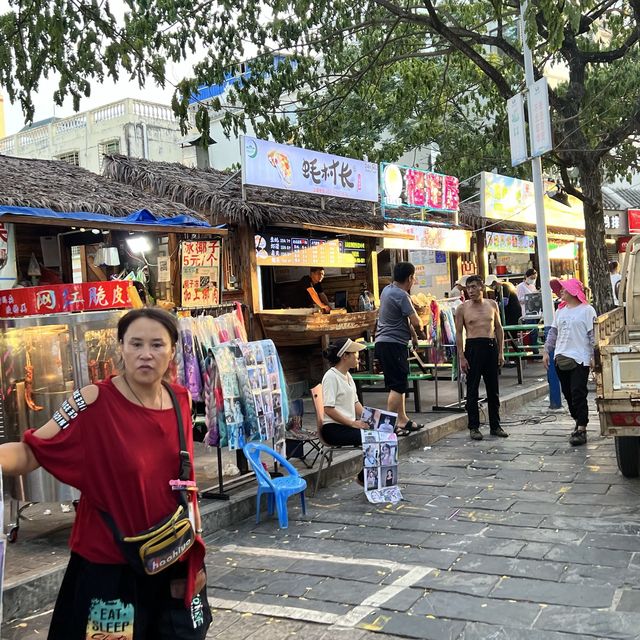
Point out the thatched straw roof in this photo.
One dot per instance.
(219, 195)
(63, 187)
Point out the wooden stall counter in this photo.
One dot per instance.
(298, 327)
(301, 334)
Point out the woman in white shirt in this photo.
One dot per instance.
(341, 423)
(571, 336)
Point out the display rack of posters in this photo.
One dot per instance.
(380, 456)
(200, 273)
(254, 404)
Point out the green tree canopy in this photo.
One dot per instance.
(374, 77)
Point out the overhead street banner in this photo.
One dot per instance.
(280, 166)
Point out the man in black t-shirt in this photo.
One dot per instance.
(310, 290)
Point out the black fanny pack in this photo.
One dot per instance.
(154, 550)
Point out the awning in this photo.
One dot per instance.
(141, 218)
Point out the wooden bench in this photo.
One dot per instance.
(414, 379)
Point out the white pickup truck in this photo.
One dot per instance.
(617, 366)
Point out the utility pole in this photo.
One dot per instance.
(555, 401)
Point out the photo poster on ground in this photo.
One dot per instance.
(254, 405)
(380, 456)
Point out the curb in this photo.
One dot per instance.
(22, 596)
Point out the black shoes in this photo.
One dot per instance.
(578, 437)
(498, 432)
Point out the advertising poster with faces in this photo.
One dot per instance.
(228, 399)
(255, 406)
(380, 456)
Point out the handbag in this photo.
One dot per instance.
(565, 363)
(162, 545)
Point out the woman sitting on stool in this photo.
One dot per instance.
(341, 424)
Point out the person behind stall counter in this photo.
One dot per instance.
(310, 291)
(117, 442)
(527, 286)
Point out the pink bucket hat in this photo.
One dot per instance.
(572, 286)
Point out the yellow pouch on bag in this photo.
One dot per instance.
(154, 550)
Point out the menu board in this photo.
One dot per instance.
(200, 273)
(287, 251)
(510, 243)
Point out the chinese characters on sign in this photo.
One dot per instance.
(411, 187)
(280, 166)
(286, 251)
(61, 298)
(200, 273)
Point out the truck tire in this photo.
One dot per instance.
(628, 455)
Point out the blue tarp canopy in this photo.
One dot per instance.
(141, 217)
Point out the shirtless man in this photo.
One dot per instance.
(482, 355)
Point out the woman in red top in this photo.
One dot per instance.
(117, 442)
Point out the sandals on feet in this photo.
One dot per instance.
(410, 427)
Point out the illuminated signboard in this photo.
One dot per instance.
(280, 166)
(510, 243)
(287, 251)
(506, 198)
(431, 238)
(403, 186)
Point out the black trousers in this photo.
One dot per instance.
(574, 389)
(482, 356)
(339, 435)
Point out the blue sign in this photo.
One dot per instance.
(280, 166)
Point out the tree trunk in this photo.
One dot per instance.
(597, 260)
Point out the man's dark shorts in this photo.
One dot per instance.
(393, 356)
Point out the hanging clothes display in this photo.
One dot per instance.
(241, 383)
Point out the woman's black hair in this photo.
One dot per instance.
(331, 352)
(161, 316)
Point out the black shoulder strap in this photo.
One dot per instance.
(185, 458)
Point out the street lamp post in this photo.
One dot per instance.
(555, 401)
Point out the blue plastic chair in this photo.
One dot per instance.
(277, 490)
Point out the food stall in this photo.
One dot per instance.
(79, 250)
(281, 223)
(507, 229)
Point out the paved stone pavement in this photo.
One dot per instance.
(504, 539)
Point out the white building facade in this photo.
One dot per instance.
(132, 127)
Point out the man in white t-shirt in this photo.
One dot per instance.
(614, 275)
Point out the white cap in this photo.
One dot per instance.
(491, 280)
(350, 347)
(461, 281)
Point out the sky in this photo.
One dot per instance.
(101, 94)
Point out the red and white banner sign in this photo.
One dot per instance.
(61, 298)
(634, 220)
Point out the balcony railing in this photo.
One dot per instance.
(133, 110)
